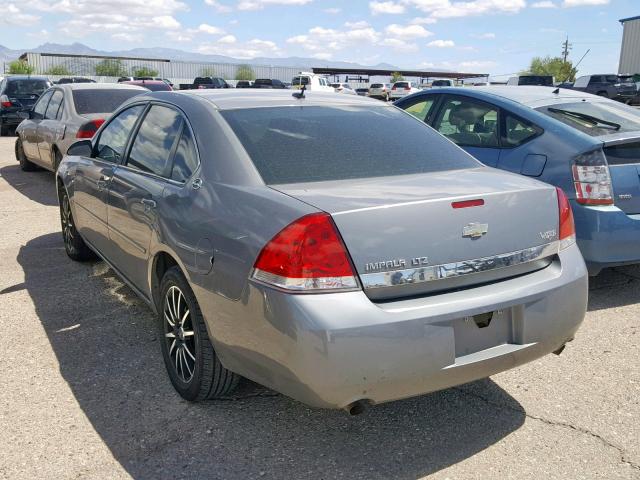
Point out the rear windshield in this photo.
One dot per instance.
(262, 81)
(156, 87)
(300, 81)
(587, 117)
(27, 87)
(441, 83)
(313, 144)
(401, 84)
(377, 85)
(536, 80)
(101, 101)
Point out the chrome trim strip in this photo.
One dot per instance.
(457, 269)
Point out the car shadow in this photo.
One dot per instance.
(614, 287)
(38, 185)
(107, 348)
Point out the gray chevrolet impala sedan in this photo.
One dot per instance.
(330, 247)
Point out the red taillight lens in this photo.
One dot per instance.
(89, 129)
(307, 255)
(478, 202)
(567, 229)
(592, 179)
(5, 102)
(407, 88)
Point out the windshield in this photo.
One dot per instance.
(313, 144)
(584, 116)
(101, 101)
(27, 87)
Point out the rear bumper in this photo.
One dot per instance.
(399, 94)
(329, 350)
(607, 236)
(10, 118)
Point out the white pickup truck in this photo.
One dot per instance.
(312, 82)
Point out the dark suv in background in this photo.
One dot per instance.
(18, 93)
(607, 85)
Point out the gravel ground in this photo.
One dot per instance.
(85, 395)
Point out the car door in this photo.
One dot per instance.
(136, 189)
(30, 128)
(49, 129)
(93, 176)
(472, 124)
(518, 153)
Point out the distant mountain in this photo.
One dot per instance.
(7, 55)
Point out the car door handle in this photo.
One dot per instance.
(102, 182)
(148, 203)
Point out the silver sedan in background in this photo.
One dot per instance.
(64, 114)
(331, 247)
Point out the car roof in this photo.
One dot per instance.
(224, 99)
(143, 82)
(99, 86)
(530, 96)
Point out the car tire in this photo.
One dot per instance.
(73, 243)
(25, 164)
(191, 361)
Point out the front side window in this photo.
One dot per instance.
(322, 143)
(41, 106)
(469, 123)
(518, 131)
(154, 142)
(113, 139)
(421, 108)
(54, 105)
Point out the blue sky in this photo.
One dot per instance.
(493, 36)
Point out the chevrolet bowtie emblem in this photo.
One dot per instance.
(475, 230)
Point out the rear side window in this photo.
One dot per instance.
(518, 131)
(41, 106)
(185, 161)
(319, 143)
(113, 139)
(468, 123)
(54, 106)
(155, 140)
(421, 108)
(101, 100)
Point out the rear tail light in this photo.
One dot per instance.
(566, 229)
(407, 88)
(5, 102)
(308, 255)
(394, 87)
(592, 180)
(89, 129)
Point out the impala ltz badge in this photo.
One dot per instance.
(475, 230)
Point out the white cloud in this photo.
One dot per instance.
(485, 36)
(357, 25)
(544, 4)
(260, 4)
(322, 56)
(320, 39)
(210, 29)
(166, 22)
(127, 37)
(218, 7)
(386, 8)
(251, 49)
(41, 34)
(422, 21)
(398, 44)
(12, 15)
(227, 39)
(477, 64)
(441, 44)
(179, 36)
(407, 31)
(332, 10)
(581, 3)
(451, 9)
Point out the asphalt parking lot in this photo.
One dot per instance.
(85, 394)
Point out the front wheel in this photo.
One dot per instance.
(192, 364)
(73, 243)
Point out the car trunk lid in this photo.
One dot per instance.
(623, 157)
(408, 235)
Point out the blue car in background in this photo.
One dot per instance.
(587, 145)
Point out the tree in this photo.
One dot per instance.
(562, 71)
(110, 68)
(396, 77)
(144, 72)
(58, 70)
(208, 72)
(245, 72)
(21, 67)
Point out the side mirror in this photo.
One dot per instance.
(25, 114)
(82, 148)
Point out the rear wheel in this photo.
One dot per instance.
(25, 164)
(192, 364)
(73, 244)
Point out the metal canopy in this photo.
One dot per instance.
(372, 72)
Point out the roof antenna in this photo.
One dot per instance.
(300, 94)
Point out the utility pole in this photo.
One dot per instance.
(566, 46)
